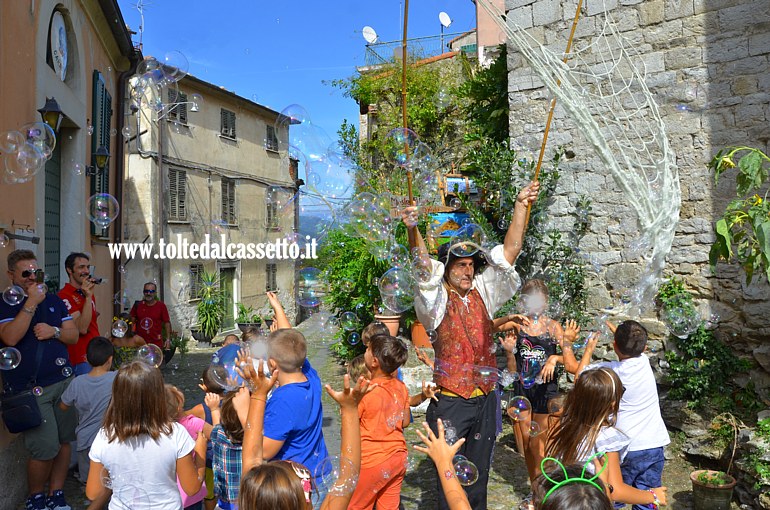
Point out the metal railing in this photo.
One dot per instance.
(417, 48)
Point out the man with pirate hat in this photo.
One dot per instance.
(466, 287)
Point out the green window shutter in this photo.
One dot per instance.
(101, 113)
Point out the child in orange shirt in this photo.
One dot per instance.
(384, 413)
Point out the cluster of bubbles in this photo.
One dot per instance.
(154, 76)
(25, 151)
(681, 321)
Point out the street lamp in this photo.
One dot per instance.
(52, 114)
(100, 158)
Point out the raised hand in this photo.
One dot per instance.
(350, 397)
(528, 195)
(436, 447)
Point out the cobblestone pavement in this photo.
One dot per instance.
(508, 480)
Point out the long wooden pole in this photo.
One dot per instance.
(403, 101)
(553, 107)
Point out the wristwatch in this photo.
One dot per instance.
(56, 333)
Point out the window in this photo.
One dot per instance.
(177, 186)
(271, 215)
(195, 280)
(271, 141)
(271, 277)
(102, 119)
(227, 124)
(178, 112)
(228, 201)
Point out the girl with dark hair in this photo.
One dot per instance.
(140, 450)
(587, 428)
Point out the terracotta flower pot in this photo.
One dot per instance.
(707, 496)
(391, 321)
(420, 337)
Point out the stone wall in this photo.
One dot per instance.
(707, 64)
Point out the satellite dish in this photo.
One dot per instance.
(444, 19)
(369, 34)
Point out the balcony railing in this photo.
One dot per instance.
(417, 48)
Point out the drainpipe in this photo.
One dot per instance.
(120, 169)
(161, 210)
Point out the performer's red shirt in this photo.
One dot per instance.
(149, 320)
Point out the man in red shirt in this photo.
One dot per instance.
(151, 318)
(78, 296)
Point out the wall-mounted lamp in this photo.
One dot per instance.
(100, 158)
(52, 114)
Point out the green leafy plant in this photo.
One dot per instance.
(247, 315)
(724, 430)
(211, 307)
(743, 232)
(714, 478)
(701, 369)
(180, 343)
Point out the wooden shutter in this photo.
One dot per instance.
(228, 201)
(195, 280)
(177, 185)
(101, 122)
(227, 123)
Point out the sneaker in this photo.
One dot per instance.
(56, 501)
(36, 502)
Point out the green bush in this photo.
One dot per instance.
(701, 369)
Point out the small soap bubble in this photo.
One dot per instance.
(336, 475)
(354, 338)
(432, 335)
(349, 321)
(455, 203)
(534, 429)
(60, 362)
(519, 408)
(466, 472)
(90, 130)
(37, 391)
(103, 209)
(119, 328)
(10, 358)
(126, 131)
(150, 354)
(14, 295)
(77, 168)
(66, 371)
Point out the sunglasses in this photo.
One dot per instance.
(27, 273)
(146, 291)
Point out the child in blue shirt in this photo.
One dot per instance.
(293, 414)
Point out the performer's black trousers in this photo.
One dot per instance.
(475, 419)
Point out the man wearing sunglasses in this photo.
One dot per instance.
(151, 317)
(40, 327)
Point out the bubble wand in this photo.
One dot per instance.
(552, 108)
(410, 232)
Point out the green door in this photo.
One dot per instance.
(226, 276)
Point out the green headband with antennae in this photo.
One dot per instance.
(567, 479)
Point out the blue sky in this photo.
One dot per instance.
(280, 52)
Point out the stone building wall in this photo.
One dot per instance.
(707, 64)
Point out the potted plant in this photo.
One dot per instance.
(247, 318)
(210, 310)
(713, 490)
